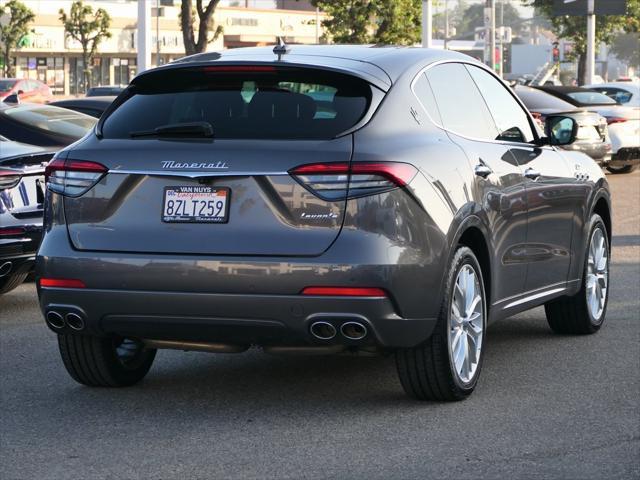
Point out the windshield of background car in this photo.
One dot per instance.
(6, 85)
(244, 102)
(537, 100)
(52, 119)
(591, 98)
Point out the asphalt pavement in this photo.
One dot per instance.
(547, 406)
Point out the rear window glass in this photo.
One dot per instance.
(244, 102)
(591, 98)
(537, 100)
(52, 119)
(6, 85)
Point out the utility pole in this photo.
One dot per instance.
(446, 24)
(426, 24)
(501, 64)
(144, 35)
(591, 43)
(493, 35)
(157, 33)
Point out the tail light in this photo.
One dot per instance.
(612, 120)
(12, 231)
(9, 178)
(335, 181)
(73, 177)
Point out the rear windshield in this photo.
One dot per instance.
(244, 102)
(52, 119)
(591, 98)
(537, 100)
(6, 85)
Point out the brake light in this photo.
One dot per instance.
(9, 178)
(62, 283)
(73, 177)
(334, 181)
(344, 291)
(612, 120)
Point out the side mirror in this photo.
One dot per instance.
(13, 98)
(560, 130)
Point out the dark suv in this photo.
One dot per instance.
(319, 199)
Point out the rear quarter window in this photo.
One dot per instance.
(244, 102)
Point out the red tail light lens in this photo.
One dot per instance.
(344, 291)
(62, 283)
(335, 181)
(9, 178)
(612, 120)
(73, 177)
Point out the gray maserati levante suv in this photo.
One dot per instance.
(319, 200)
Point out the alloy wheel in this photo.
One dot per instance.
(597, 278)
(466, 324)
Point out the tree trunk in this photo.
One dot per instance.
(86, 69)
(8, 73)
(186, 25)
(582, 69)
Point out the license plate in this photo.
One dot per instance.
(193, 204)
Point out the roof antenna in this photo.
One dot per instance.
(281, 48)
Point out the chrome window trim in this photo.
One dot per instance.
(486, 69)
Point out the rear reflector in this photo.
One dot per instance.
(335, 181)
(9, 178)
(344, 291)
(62, 283)
(8, 231)
(73, 177)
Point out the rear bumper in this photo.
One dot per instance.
(282, 320)
(625, 156)
(20, 251)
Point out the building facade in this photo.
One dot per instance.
(49, 56)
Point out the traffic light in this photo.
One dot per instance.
(556, 54)
(506, 58)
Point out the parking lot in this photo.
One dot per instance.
(547, 405)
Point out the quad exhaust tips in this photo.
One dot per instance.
(58, 321)
(55, 320)
(353, 330)
(323, 330)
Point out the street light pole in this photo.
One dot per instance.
(144, 35)
(446, 24)
(493, 35)
(426, 24)
(591, 43)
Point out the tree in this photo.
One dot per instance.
(372, 21)
(87, 28)
(205, 21)
(15, 18)
(574, 28)
(626, 47)
(473, 17)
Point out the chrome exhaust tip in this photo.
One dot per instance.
(55, 320)
(75, 321)
(353, 330)
(5, 268)
(323, 330)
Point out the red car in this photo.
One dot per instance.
(32, 91)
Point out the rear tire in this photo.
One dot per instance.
(11, 281)
(577, 315)
(104, 361)
(625, 169)
(433, 371)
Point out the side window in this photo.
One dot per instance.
(423, 91)
(511, 120)
(462, 108)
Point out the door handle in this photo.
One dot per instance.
(482, 170)
(531, 174)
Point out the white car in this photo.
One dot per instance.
(625, 93)
(623, 122)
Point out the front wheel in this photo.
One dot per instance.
(584, 312)
(447, 366)
(105, 361)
